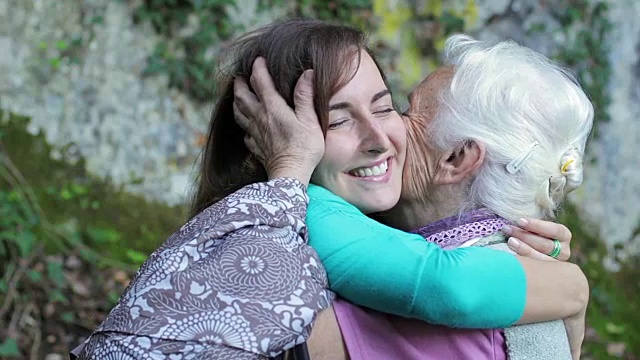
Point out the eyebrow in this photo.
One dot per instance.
(374, 98)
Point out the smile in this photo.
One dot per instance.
(375, 170)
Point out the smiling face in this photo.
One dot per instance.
(365, 143)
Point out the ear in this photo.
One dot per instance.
(459, 164)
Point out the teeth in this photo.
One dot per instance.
(371, 171)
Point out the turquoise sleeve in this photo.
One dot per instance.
(392, 271)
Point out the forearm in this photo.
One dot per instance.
(246, 252)
(555, 290)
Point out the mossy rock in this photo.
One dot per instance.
(119, 225)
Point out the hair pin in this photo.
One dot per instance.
(516, 164)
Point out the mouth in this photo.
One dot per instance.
(374, 172)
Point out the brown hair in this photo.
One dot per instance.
(290, 47)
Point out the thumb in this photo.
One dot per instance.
(303, 96)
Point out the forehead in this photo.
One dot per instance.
(366, 80)
(423, 99)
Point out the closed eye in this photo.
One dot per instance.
(337, 123)
(384, 111)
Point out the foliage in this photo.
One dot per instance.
(614, 312)
(586, 51)
(191, 31)
(65, 239)
(354, 12)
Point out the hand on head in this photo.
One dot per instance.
(288, 142)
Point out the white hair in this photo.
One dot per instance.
(509, 98)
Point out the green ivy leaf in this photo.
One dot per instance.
(9, 348)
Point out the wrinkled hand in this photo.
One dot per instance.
(534, 238)
(288, 142)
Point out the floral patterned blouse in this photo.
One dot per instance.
(238, 281)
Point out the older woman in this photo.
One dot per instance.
(531, 97)
(507, 142)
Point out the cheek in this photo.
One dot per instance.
(336, 150)
(398, 136)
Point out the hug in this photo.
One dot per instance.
(328, 225)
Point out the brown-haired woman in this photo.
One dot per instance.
(238, 281)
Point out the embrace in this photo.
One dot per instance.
(327, 225)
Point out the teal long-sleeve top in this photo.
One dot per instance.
(385, 269)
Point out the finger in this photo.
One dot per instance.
(262, 84)
(251, 144)
(546, 229)
(537, 242)
(247, 124)
(303, 97)
(247, 101)
(523, 249)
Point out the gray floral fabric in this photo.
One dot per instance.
(238, 281)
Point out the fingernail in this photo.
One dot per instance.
(507, 229)
(523, 222)
(308, 75)
(513, 243)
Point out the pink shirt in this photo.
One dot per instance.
(369, 334)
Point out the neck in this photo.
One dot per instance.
(412, 213)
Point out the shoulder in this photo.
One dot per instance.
(323, 202)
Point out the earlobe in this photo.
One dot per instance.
(459, 164)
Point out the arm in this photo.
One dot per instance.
(388, 270)
(241, 266)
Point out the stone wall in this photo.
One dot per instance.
(76, 67)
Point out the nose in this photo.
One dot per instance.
(373, 137)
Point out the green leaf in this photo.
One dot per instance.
(66, 194)
(34, 275)
(67, 317)
(57, 296)
(62, 45)
(103, 236)
(55, 62)
(9, 348)
(79, 189)
(54, 269)
(88, 255)
(614, 329)
(25, 242)
(136, 256)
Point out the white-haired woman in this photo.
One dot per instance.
(506, 143)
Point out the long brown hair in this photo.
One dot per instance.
(290, 47)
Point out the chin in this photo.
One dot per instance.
(379, 204)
